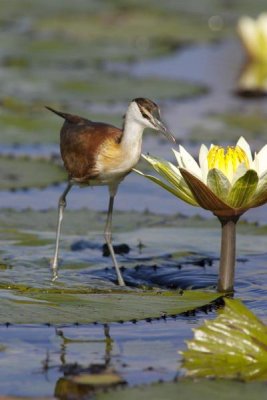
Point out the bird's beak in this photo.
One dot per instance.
(161, 127)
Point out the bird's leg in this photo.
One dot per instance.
(107, 235)
(61, 206)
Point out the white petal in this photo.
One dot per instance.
(189, 163)
(203, 162)
(243, 144)
(256, 163)
(178, 158)
(247, 29)
(175, 169)
(261, 158)
(262, 24)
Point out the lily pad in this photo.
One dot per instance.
(18, 173)
(234, 345)
(93, 86)
(141, 31)
(231, 125)
(125, 88)
(184, 390)
(44, 306)
(254, 123)
(79, 222)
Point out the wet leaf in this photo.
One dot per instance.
(44, 306)
(234, 345)
(184, 390)
(102, 88)
(253, 122)
(14, 224)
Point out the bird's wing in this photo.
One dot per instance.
(80, 144)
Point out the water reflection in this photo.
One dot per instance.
(79, 379)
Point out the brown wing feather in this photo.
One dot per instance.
(80, 142)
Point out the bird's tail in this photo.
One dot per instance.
(66, 116)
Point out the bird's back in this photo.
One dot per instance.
(81, 141)
(80, 144)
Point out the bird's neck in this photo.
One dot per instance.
(132, 133)
(132, 129)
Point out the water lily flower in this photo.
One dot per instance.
(253, 34)
(227, 181)
(253, 80)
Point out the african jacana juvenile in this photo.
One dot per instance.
(95, 153)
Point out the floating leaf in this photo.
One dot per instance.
(234, 345)
(45, 306)
(21, 172)
(103, 87)
(184, 390)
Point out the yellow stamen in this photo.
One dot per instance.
(227, 160)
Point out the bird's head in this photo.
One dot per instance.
(147, 113)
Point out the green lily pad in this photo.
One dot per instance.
(184, 390)
(94, 86)
(17, 173)
(44, 306)
(253, 123)
(139, 31)
(231, 125)
(234, 345)
(126, 88)
(79, 222)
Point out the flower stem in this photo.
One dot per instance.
(227, 259)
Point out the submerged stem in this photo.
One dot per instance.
(228, 254)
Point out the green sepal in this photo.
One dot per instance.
(176, 191)
(171, 173)
(260, 196)
(218, 183)
(243, 189)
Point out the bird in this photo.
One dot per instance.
(97, 153)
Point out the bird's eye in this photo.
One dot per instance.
(145, 115)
